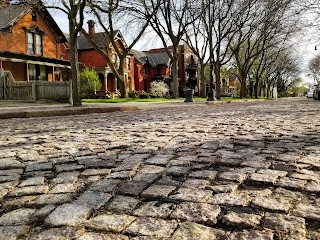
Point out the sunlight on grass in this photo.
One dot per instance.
(121, 100)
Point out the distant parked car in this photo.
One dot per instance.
(309, 94)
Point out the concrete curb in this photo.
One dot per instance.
(65, 111)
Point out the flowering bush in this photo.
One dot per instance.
(159, 89)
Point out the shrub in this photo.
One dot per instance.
(133, 95)
(144, 95)
(89, 81)
(159, 89)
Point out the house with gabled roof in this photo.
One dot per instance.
(155, 65)
(31, 44)
(89, 57)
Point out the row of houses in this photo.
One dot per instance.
(33, 48)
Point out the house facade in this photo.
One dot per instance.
(89, 57)
(155, 65)
(31, 44)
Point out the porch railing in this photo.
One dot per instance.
(33, 90)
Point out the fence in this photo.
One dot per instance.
(32, 90)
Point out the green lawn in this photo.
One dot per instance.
(121, 100)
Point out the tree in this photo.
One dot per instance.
(74, 9)
(225, 21)
(113, 15)
(272, 26)
(314, 68)
(171, 23)
(198, 42)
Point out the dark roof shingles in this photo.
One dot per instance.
(10, 13)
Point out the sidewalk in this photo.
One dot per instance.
(20, 109)
(29, 109)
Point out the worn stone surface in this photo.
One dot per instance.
(190, 231)
(232, 176)
(34, 181)
(29, 190)
(151, 227)
(274, 204)
(20, 216)
(93, 199)
(154, 209)
(101, 236)
(288, 224)
(307, 211)
(197, 212)
(230, 199)
(193, 195)
(14, 232)
(123, 204)
(158, 191)
(133, 188)
(252, 234)
(68, 214)
(53, 199)
(59, 233)
(243, 220)
(110, 222)
(245, 170)
(229, 188)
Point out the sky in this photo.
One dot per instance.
(304, 43)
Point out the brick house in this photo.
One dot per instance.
(155, 65)
(31, 44)
(89, 57)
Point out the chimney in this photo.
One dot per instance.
(91, 28)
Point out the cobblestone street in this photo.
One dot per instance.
(248, 170)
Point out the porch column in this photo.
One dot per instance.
(27, 72)
(106, 78)
(53, 74)
(115, 84)
(1, 69)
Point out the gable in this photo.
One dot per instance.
(12, 14)
(84, 44)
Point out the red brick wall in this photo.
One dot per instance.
(17, 69)
(138, 77)
(17, 41)
(91, 58)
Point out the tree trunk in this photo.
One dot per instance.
(175, 69)
(75, 72)
(256, 87)
(122, 82)
(203, 81)
(217, 68)
(243, 87)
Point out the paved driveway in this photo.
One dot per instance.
(247, 170)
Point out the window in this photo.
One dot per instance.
(34, 16)
(38, 44)
(30, 43)
(128, 63)
(34, 43)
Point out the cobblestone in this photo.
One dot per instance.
(245, 170)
